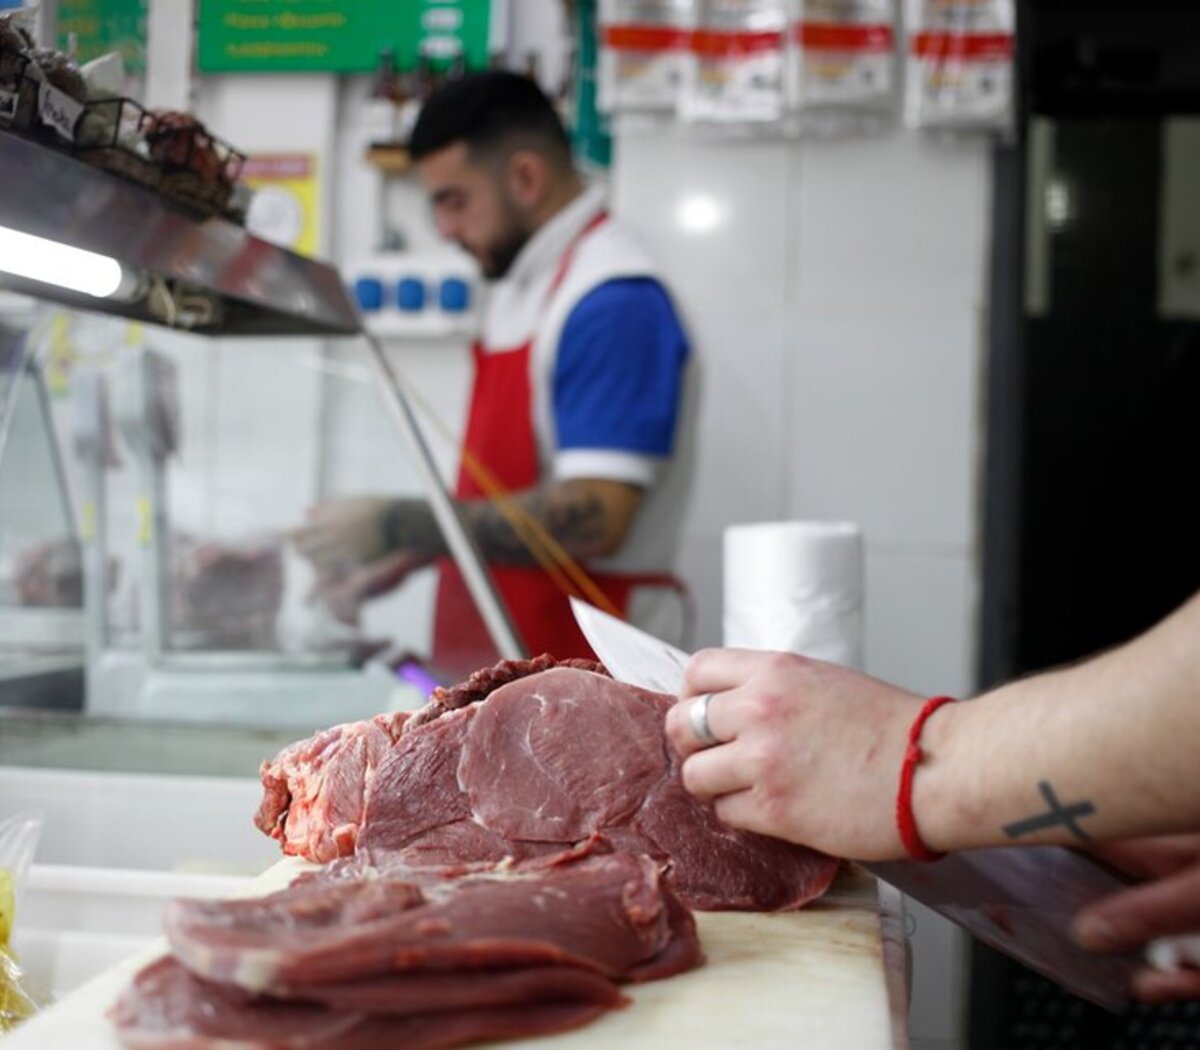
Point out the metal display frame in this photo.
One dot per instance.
(259, 289)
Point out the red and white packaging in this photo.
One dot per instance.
(736, 71)
(844, 56)
(643, 50)
(959, 64)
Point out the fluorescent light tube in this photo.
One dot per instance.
(51, 262)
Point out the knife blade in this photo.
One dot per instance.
(1020, 901)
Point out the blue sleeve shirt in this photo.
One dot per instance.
(618, 382)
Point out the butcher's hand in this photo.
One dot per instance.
(341, 533)
(807, 751)
(1166, 904)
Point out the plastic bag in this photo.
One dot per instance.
(642, 53)
(960, 64)
(844, 59)
(19, 999)
(736, 71)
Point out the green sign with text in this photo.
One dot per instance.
(99, 26)
(340, 36)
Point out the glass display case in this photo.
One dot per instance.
(154, 472)
(41, 575)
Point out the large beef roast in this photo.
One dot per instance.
(313, 789)
(521, 760)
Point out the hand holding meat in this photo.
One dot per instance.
(1166, 904)
(1101, 751)
(806, 751)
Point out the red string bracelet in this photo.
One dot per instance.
(906, 823)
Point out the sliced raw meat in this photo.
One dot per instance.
(607, 912)
(313, 791)
(714, 866)
(430, 759)
(167, 1008)
(487, 680)
(435, 992)
(682, 951)
(558, 756)
(465, 842)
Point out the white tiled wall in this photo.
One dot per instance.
(837, 305)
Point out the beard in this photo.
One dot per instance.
(497, 258)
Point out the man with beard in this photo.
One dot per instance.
(580, 406)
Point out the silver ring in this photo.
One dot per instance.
(698, 718)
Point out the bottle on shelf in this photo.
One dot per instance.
(387, 95)
(533, 66)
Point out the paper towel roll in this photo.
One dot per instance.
(795, 586)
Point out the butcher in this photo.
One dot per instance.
(581, 405)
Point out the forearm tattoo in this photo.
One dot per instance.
(573, 515)
(1067, 815)
(409, 524)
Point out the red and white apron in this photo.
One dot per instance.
(500, 433)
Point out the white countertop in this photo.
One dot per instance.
(829, 976)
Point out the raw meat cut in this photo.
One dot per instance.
(550, 756)
(606, 912)
(487, 680)
(560, 755)
(225, 595)
(428, 758)
(404, 994)
(717, 868)
(167, 1008)
(313, 789)
(359, 957)
(557, 757)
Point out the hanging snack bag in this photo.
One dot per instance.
(643, 44)
(959, 71)
(844, 56)
(736, 71)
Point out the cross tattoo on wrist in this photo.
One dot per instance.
(1067, 815)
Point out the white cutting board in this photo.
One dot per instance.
(828, 977)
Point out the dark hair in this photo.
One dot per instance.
(490, 112)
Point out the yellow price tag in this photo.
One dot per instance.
(87, 522)
(145, 531)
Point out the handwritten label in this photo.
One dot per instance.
(59, 111)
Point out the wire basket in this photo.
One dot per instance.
(198, 169)
(111, 134)
(18, 92)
